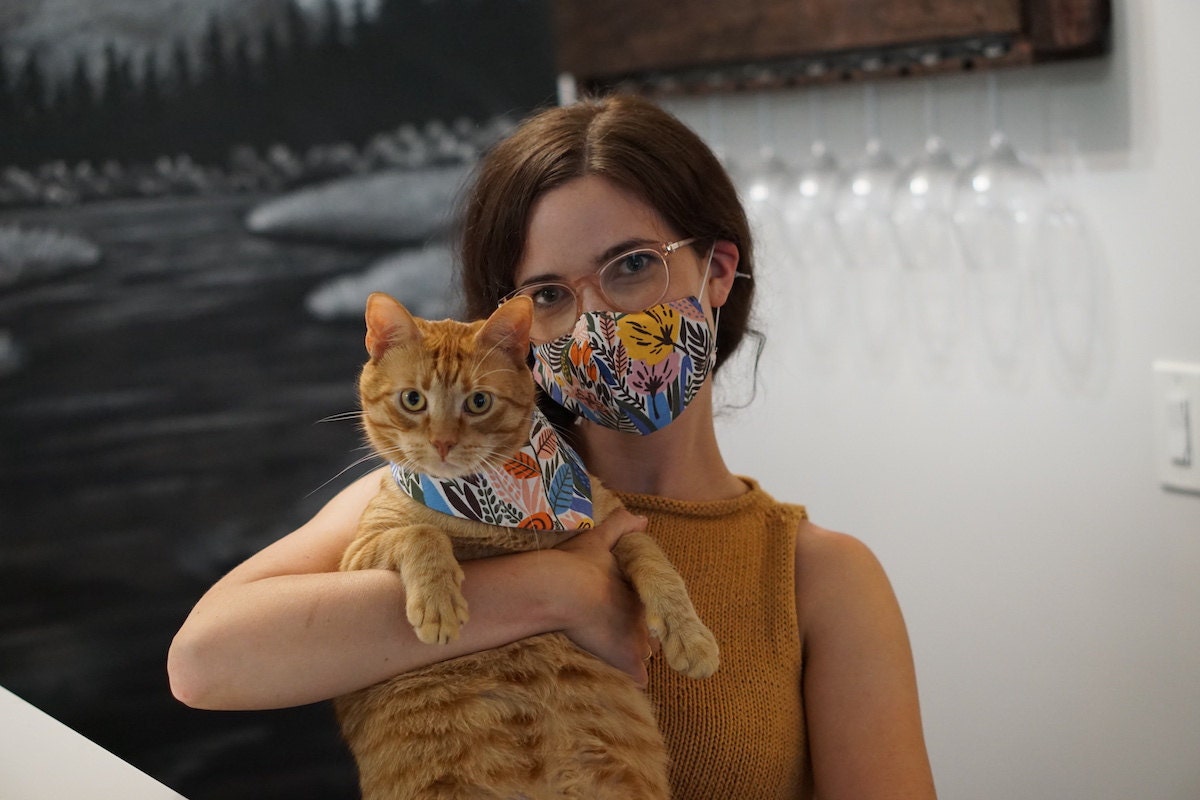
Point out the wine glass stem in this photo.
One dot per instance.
(766, 130)
(871, 111)
(816, 114)
(931, 111)
(993, 103)
(716, 123)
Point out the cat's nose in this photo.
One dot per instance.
(443, 447)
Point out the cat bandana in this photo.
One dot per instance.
(632, 372)
(544, 486)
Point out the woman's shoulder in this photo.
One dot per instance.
(821, 545)
(835, 570)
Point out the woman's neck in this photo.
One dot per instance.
(682, 461)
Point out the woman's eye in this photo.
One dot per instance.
(637, 263)
(634, 262)
(412, 400)
(478, 403)
(547, 296)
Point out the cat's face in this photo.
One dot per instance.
(446, 398)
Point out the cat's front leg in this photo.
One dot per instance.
(687, 643)
(433, 583)
(424, 557)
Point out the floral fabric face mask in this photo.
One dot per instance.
(633, 372)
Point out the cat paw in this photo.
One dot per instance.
(689, 647)
(437, 616)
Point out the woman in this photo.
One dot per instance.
(816, 689)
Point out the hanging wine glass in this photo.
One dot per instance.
(864, 202)
(813, 191)
(1069, 274)
(763, 188)
(716, 138)
(817, 261)
(868, 238)
(922, 213)
(998, 202)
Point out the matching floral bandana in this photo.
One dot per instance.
(630, 372)
(543, 487)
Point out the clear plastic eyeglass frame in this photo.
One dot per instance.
(597, 280)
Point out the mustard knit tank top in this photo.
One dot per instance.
(740, 733)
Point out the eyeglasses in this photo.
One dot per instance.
(633, 281)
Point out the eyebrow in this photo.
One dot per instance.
(599, 261)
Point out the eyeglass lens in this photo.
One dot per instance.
(632, 281)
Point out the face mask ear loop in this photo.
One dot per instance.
(716, 327)
(707, 267)
(704, 285)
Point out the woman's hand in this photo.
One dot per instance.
(605, 616)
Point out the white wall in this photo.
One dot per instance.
(1051, 587)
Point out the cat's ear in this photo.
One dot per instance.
(508, 327)
(388, 323)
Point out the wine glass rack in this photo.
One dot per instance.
(700, 46)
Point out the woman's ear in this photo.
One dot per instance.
(721, 272)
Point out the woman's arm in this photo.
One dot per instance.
(860, 688)
(286, 628)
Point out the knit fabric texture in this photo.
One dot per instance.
(740, 733)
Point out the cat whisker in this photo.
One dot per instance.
(369, 457)
(477, 378)
(492, 466)
(480, 359)
(342, 417)
(406, 461)
(494, 460)
(493, 349)
(384, 455)
(387, 454)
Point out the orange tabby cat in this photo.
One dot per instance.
(535, 719)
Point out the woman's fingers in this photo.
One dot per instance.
(617, 524)
(611, 622)
(604, 537)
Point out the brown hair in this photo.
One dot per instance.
(631, 142)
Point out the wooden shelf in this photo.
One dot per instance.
(714, 45)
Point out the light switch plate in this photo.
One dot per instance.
(1177, 424)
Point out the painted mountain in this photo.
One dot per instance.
(136, 79)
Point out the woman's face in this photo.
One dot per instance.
(576, 228)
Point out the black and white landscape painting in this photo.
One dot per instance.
(195, 198)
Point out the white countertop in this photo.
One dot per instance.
(42, 759)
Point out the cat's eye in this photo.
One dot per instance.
(412, 400)
(478, 403)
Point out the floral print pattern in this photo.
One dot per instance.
(630, 372)
(543, 487)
